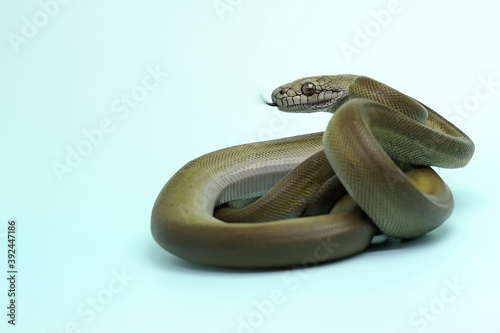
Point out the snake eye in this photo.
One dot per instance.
(308, 89)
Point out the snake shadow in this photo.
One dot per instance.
(384, 243)
(164, 260)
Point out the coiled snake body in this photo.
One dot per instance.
(316, 197)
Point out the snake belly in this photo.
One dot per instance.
(318, 197)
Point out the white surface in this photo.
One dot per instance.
(78, 231)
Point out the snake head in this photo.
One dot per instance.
(312, 94)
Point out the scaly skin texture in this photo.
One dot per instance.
(377, 147)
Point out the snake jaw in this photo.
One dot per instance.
(324, 101)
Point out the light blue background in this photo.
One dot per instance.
(79, 231)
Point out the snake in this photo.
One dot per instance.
(314, 198)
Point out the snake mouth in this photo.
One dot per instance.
(305, 108)
(298, 107)
(292, 101)
(288, 106)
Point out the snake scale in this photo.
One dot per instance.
(318, 197)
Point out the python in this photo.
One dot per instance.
(266, 204)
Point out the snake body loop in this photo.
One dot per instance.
(283, 202)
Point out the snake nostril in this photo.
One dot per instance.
(282, 91)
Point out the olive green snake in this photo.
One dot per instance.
(318, 197)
